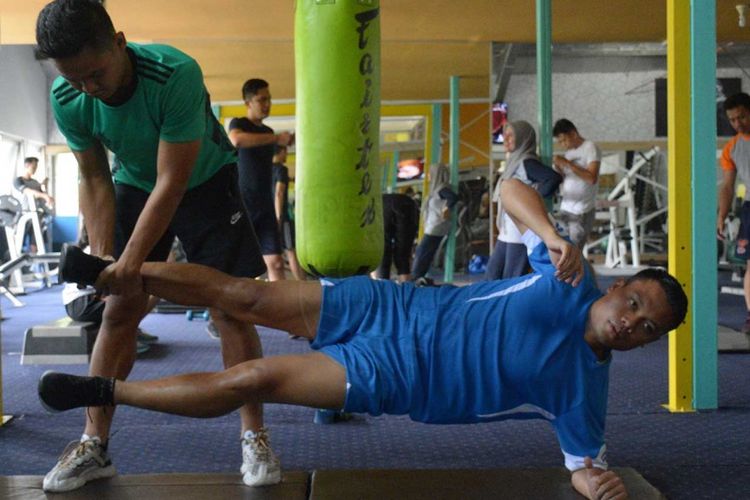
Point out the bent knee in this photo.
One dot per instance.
(251, 380)
(236, 300)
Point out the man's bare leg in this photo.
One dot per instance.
(313, 380)
(114, 353)
(295, 266)
(275, 266)
(292, 306)
(240, 343)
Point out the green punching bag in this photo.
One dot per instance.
(339, 216)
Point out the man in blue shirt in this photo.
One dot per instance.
(536, 346)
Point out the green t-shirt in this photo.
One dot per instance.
(170, 103)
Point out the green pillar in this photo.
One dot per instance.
(437, 126)
(384, 174)
(450, 247)
(394, 171)
(544, 77)
(704, 203)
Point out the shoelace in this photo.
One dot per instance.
(259, 446)
(80, 447)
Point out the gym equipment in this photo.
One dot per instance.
(623, 197)
(192, 314)
(9, 269)
(14, 219)
(338, 190)
(59, 342)
(10, 211)
(166, 307)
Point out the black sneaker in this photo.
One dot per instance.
(76, 266)
(424, 281)
(61, 391)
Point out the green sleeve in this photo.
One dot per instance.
(184, 105)
(69, 122)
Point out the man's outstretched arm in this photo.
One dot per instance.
(595, 483)
(526, 208)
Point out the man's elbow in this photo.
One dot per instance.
(508, 186)
(234, 138)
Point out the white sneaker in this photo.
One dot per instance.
(260, 466)
(80, 462)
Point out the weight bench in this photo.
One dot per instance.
(59, 342)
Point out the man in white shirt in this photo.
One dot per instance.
(579, 167)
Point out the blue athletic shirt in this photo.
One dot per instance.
(489, 351)
(170, 103)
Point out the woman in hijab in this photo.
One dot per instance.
(437, 223)
(509, 258)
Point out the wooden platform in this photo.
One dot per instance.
(375, 484)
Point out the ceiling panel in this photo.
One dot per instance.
(424, 42)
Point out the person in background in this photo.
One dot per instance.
(735, 163)
(579, 167)
(44, 204)
(436, 212)
(281, 205)
(400, 225)
(509, 257)
(255, 143)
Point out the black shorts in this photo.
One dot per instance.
(267, 230)
(742, 250)
(210, 221)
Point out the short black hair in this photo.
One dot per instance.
(65, 28)
(30, 159)
(737, 100)
(676, 297)
(563, 126)
(252, 86)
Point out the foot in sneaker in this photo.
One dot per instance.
(60, 391)
(260, 466)
(79, 463)
(76, 266)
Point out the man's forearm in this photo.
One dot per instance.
(725, 201)
(153, 221)
(251, 140)
(97, 204)
(584, 173)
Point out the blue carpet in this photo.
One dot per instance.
(693, 455)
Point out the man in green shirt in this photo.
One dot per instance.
(175, 175)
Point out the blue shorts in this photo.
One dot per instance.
(361, 330)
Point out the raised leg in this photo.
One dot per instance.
(292, 306)
(310, 380)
